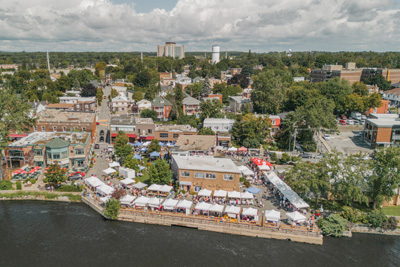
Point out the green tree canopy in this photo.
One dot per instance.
(211, 109)
(112, 209)
(206, 131)
(149, 113)
(55, 174)
(122, 148)
(251, 131)
(159, 172)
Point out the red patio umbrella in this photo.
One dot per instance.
(242, 149)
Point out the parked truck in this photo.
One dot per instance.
(356, 115)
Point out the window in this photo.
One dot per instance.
(38, 152)
(176, 136)
(16, 153)
(56, 156)
(54, 128)
(83, 129)
(185, 174)
(228, 177)
(79, 151)
(199, 175)
(211, 176)
(34, 128)
(49, 155)
(43, 129)
(64, 129)
(163, 135)
(149, 131)
(64, 154)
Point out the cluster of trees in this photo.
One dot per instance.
(349, 179)
(251, 131)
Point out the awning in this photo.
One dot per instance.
(109, 171)
(233, 194)
(127, 181)
(254, 190)
(131, 135)
(185, 183)
(139, 185)
(105, 189)
(170, 203)
(146, 137)
(114, 135)
(232, 210)
(296, 216)
(250, 212)
(127, 199)
(204, 193)
(203, 206)
(18, 135)
(184, 204)
(216, 208)
(220, 193)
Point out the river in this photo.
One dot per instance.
(34, 233)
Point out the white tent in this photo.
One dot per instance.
(146, 143)
(166, 188)
(233, 194)
(204, 193)
(220, 193)
(216, 208)
(113, 164)
(296, 216)
(232, 149)
(105, 199)
(245, 171)
(105, 189)
(93, 181)
(272, 215)
(127, 181)
(170, 204)
(247, 195)
(141, 201)
(127, 199)
(250, 212)
(139, 185)
(203, 206)
(109, 171)
(154, 202)
(232, 210)
(154, 187)
(184, 204)
(264, 167)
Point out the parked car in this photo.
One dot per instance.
(96, 146)
(307, 155)
(327, 137)
(97, 123)
(342, 122)
(350, 122)
(344, 118)
(356, 122)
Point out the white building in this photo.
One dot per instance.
(143, 104)
(76, 99)
(222, 125)
(120, 104)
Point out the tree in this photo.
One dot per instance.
(6, 185)
(99, 96)
(154, 146)
(159, 172)
(380, 81)
(338, 91)
(178, 94)
(55, 174)
(211, 109)
(14, 117)
(239, 79)
(206, 87)
(149, 113)
(89, 90)
(251, 131)
(122, 148)
(100, 69)
(137, 96)
(206, 131)
(114, 93)
(118, 193)
(112, 209)
(131, 163)
(384, 178)
(334, 225)
(360, 88)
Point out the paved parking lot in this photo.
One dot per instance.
(346, 141)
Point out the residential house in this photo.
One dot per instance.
(120, 104)
(163, 108)
(393, 96)
(143, 104)
(191, 106)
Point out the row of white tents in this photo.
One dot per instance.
(224, 194)
(99, 186)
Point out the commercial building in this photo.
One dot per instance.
(170, 49)
(76, 99)
(70, 150)
(66, 121)
(382, 130)
(219, 125)
(191, 106)
(196, 173)
(171, 133)
(142, 129)
(191, 145)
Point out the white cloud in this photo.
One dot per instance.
(260, 25)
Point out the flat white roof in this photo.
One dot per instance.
(205, 164)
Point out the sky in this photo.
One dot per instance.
(235, 25)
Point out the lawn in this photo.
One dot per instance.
(394, 210)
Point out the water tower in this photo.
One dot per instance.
(215, 54)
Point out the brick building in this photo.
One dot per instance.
(171, 133)
(382, 130)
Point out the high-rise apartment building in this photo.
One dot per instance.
(170, 49)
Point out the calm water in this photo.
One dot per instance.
(34, 233)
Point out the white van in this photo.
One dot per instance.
(350, 122)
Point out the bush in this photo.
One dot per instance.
(6, 185)
(70, 188)
(247, 184)
(353, 215)
(111, 209)
(273, 157)
(19, 185)
(390, 224)
(285, 158)
(376, 218)
(334, 225)
(242, 179)
(32, 180)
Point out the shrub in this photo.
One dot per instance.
(376, 218)
(111, 209)
(273, 157)
(69, 188)
(247, 184)
(19, 185)
(285, 158)
(33, 180)
(242, 179)
(352, 215)
(390, 224)
(334, 225)
(6, 185)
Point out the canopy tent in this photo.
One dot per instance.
(127, 181)
(296, 216)
(232, 149)
(232, 210)
(154, 187)
(93, 181)
(104, 199)
(245, 171)
(113, 164)
(166, 188)
(219, 148)
(170, 204)
(141, 201)
(147, 143)
(203, 206)
(154, 154)
(292, 196)
(170, 144)
(138, 144)
(143, 149)
(272, 215)
(141, 168)
(139, 185)
(220, 193)
(254, 190)
(250, 212)
(154, 202)
(137, 156)
(264, 167)
(184, 204)
(161, 143)
(216, 208)
(242, 149)
(127, 199)
(246, 195)
(105, 189)
(204, 193)
(233, 194)
(109, 171)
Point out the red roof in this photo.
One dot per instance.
(18, 135)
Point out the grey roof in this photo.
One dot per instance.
(396, 85)
(205, 164)
(57, 143)
(190, 101)
(160, 102)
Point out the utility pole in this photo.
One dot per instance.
(294, 141)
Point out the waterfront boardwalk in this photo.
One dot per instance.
(262, 230)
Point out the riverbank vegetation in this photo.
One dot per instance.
(393, 211)
(6, 185)
(112, 209)
(46, 195)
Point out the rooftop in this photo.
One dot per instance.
(52, 139)
(59, 105)
(175, 128)
(63, 116)
(205, 164)
(160, 102)
(190, 101)
(195, 142)
(122, 120)
(384, 120)
(218, 120)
